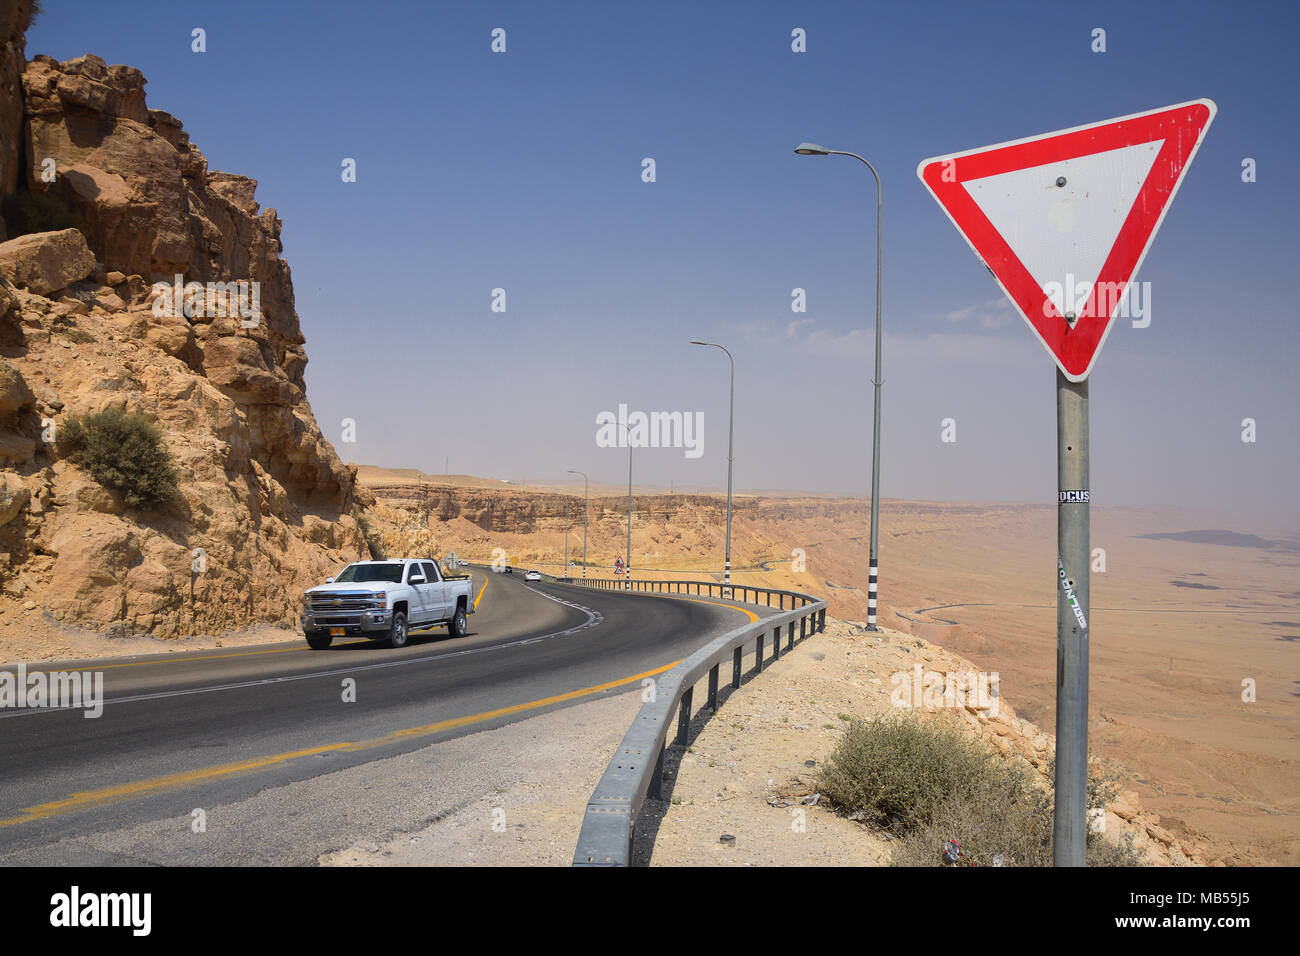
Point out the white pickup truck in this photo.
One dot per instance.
(386, 599)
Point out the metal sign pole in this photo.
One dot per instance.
(1006, 200)
(1072, 609)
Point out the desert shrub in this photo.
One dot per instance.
(26, 213)
(899, 770)
(123, 450)
(1006, 820)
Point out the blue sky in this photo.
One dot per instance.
(522, 171)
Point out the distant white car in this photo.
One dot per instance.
(533, 576)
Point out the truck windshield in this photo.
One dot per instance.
(370, 572)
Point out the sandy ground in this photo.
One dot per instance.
(27, 635)
(1180, 628)
(521, 790)
(749, 773)
(736, 795)
(1177, 628)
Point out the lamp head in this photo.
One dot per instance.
(811, 149)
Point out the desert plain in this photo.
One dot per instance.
(1194, 684)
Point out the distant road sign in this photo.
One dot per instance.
(1064, 220)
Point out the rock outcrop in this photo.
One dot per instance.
(170, 298)
(45, 261)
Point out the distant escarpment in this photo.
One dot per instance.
(134, 277)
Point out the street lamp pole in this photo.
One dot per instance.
(586, 510)
(731, 428)
(627, 568)
(811, 149)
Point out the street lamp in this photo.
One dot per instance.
(586, 509)
(812, 149)
(731, 426)
(627, 568)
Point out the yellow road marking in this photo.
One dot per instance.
(92, 798)
(480, 593)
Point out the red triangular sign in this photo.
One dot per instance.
(1064, 220)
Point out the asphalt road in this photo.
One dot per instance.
(208, 728)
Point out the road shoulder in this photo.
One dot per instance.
(748, 773)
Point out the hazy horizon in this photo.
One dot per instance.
(1210, 519)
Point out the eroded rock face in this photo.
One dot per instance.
(138, 307)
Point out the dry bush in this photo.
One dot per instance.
(123, 450)
(930, 781)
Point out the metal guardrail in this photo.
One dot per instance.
(609, 825)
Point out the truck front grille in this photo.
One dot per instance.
(340, 602)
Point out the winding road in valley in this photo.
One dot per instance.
(207, 730)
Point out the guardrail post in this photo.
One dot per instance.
(776, 643)
(735, 667)
(684, 716)
(789, 638)
(803, 628)
(758, 652)
(656, 789)
(821, 619)
(713, 688)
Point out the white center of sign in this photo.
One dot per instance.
(1063, 234)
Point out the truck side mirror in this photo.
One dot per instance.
(415, 579)
(329, 580)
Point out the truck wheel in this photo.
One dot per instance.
(397, 632)
(318, 640)
(456, 626)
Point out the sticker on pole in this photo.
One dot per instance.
(1064, 220)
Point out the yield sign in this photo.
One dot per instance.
(1064, 220)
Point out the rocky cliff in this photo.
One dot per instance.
(107, 204)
